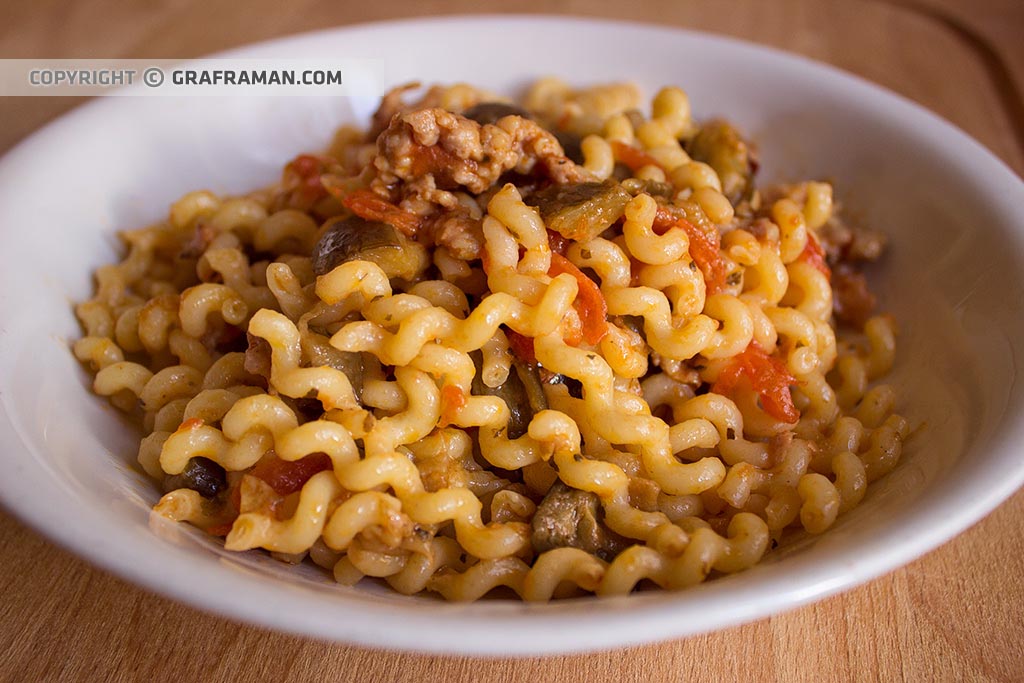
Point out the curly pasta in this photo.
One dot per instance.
(617, 362)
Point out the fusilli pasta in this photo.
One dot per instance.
(565, 348)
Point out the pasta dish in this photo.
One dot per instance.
(555, 347)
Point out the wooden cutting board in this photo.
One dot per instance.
(956, 614)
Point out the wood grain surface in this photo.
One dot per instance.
(955, 614)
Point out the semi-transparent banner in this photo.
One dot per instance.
(203, 77)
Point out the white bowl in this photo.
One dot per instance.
(954, 279)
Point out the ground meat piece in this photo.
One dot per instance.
(454, 98)
(845, 243)
(866, 245)
(570, 518)
(456, 230)
(763, 229)
(391, 104)
(777, 447)
(444, 471)
(222, 338)
(851, 301)
(257, 356)
(447, 466)
(200, 240)
(681, 371)
(455, 152)
(643, 494)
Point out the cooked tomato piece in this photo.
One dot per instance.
(590, 303)
(558, 242)
(220, 529)
(705, 247)
(288, 477)
(452, 400)
(814, 255)
(302, 177)
(768, 376)
(369, 206)
(522, 347)
(632, 157)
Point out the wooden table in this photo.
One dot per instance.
(956, 614)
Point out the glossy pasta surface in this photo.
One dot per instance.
(563, 346)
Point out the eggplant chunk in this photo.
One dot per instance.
(572, 145)
(320, 353)
(654, 188)
(581, 211)
(201, 475)
(570, 518)
(720, 146)
(352, 238)
(490, 112)
(522, 393)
